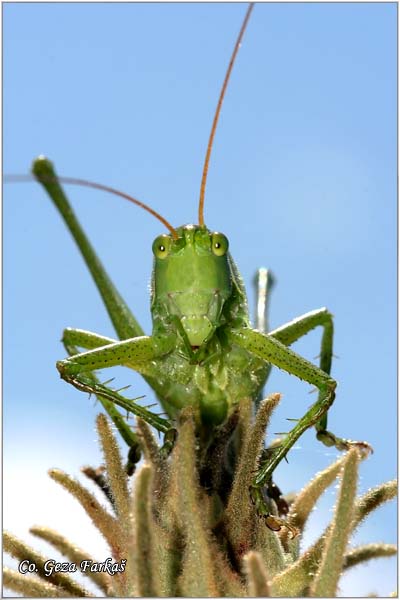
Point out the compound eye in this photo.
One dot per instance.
(219, 244)
(161, 246)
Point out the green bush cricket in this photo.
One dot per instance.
(202, 350)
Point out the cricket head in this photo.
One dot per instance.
(191, 280)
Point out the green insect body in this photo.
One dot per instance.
(198, 295)
(203, 351)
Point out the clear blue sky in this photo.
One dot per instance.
(302, 180)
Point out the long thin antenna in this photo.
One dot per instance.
(96, 186)
(217, 112)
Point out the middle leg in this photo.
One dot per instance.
(290, 333)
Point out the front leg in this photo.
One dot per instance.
(290, 333)
(133, 353)
(73, 340)
(276, 353)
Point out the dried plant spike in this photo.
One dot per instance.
(213, 465)
(22, 551)
(374, 498)
(144, 556)
(368, 552)
(197, 578)
(269, 547)
(168, 549)
(327, 578)
(256, 575)
(240, 513)
(263, 415)
(150, 446)
(305, 501)
(229, 581)
(74, 554)
(30, 587)
(179, 551)
(106, 524)
(116, 473)
(297, 577)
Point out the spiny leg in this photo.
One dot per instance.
(72, 339)
(122, 318)
(133, 353)
(263, 284)
(78, 338)
(290, 333)
(125, 324)
(276, 353)
(104, 352)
